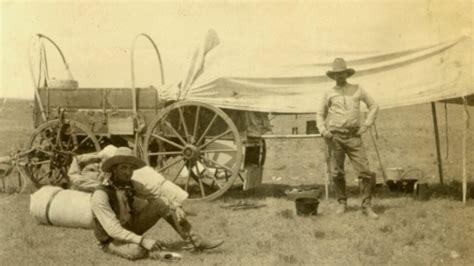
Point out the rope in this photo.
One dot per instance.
(447, 129)
(464, 100)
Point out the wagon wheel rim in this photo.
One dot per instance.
(51, 148)
(196, 146)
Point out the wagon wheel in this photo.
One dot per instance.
(196, 146)
(50, 150)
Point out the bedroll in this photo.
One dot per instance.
(62, 207)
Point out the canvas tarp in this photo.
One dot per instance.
(293, 83)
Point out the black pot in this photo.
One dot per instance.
(306, 206)
(403, 185)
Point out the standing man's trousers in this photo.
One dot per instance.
(350, 144)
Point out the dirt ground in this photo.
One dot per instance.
(435, 232)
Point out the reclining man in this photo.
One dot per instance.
(119, 223)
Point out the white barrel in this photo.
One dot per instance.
(56, 206)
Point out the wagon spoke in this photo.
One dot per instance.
(183, 121)
(39, 178)
(179, 172)
(58, 138)
(218, 150)
(203, 193)
(43, 134)
(43, 151)
(197, 178)
(175, 132)
(73, 134)
(40, 163)
(196, 121)
(168, 141)
(215, 138)
(165, 153)
(171, 164)
(82, 142)
(63, 173)
(212, 176)
(218, 164)
(69, 141)
(207, 128)
(186, 185)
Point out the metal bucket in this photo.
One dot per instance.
(394, 173)
(422, 191)
(306, 206)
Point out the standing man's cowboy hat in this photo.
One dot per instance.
(122, 155)
(339, 65)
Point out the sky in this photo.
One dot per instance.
(96, 36)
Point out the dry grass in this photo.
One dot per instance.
(409, 232)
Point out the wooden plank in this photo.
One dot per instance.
(291, 136)
(93, 98)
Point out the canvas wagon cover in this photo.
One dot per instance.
(293, 82)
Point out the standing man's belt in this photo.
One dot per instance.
(345, 131)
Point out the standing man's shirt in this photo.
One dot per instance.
(341, 107)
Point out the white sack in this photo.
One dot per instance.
(56, 206)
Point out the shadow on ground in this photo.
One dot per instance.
(452, 190)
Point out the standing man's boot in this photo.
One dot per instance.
(341, 208)
(369, 212)
(367, 187)
(339, 185)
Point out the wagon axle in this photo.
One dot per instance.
(191, 153)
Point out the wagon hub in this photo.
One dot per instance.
(191, 153)
(61, 159)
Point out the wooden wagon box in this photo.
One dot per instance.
(105, 110)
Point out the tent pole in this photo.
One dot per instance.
(464, 151)
(438, 152)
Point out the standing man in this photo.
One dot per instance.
(338, 121)
(118, 226)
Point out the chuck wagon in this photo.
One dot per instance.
(212, 133)
(196, 145)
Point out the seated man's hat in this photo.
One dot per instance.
(122, 155)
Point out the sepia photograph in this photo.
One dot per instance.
(236, 132)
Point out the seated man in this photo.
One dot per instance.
(118, 225)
